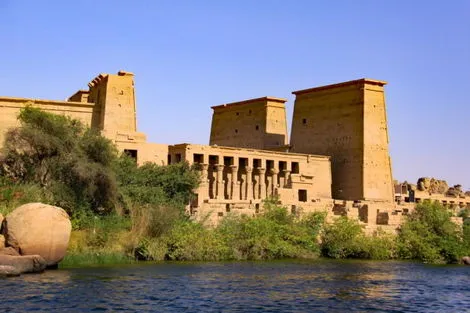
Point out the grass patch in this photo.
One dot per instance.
(95, 258)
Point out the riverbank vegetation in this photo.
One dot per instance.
(122, 213)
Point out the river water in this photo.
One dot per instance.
(279, 286)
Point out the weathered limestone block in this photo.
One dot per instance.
(39, 229)
(24, 263)
(9, 271)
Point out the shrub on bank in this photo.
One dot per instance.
(344, 238)
(274, 234)
(429, 235)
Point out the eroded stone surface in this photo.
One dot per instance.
(9, 271)
(24, 263)
(39, 229)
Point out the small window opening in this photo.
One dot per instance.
(242, 163)
(228, 161)
(131, 153)
(213, 159)
(302, 195)
(198, 158)
(178, 157)
(295, 168)
(269, 165)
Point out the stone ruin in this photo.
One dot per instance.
(437, 186)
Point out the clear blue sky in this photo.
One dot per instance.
(190, 55)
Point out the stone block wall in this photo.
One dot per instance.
(257, 123)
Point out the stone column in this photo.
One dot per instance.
(235, 191)
(204, 187)
(262, 182)
(274, 174)
(220, 182)
(212, 182)
(249, 183)
(286, 178)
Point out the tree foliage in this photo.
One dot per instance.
(68, 160)
(79, 170)
(430, 235)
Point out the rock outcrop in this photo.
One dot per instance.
(432, 185)
(38, 229)
(8, 271)
(455, 191)
(9, 251)
(24, 263)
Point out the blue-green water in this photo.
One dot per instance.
(281, 286)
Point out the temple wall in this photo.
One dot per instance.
(10, 108)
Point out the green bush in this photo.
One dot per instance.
(344, 238)
(339, 240)
(71, 163)
(151, 184)
(274, 234)
(429, 235)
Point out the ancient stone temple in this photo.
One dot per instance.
(348, 122)
(337, 160)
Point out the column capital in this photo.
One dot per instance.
(203, 166)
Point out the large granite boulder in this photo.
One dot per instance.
(39, 229)
(24, 263)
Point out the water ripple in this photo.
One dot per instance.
(282, 286)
